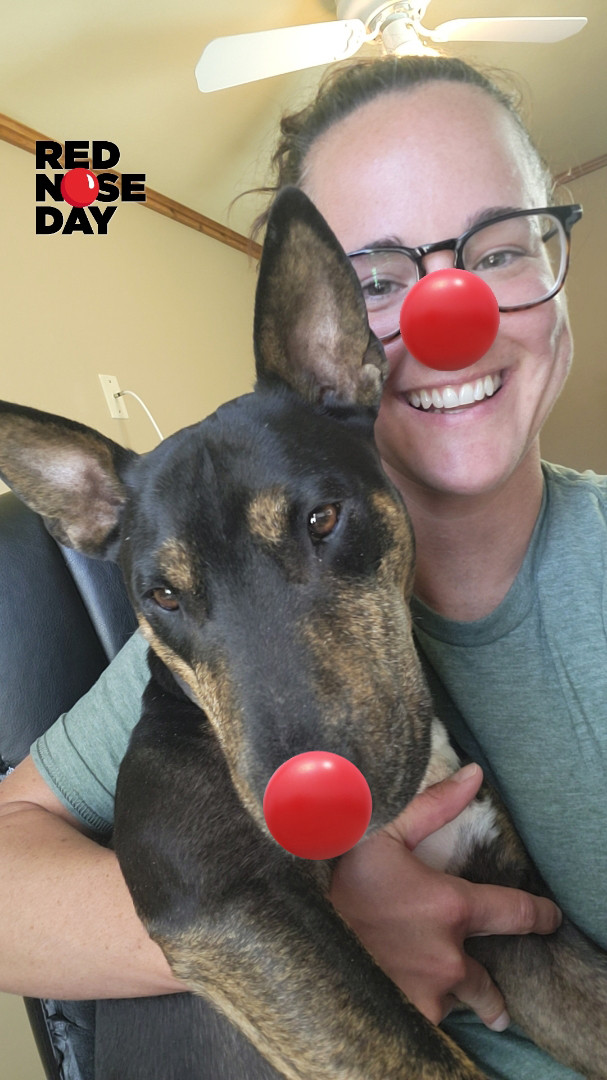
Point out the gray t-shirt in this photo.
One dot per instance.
(530, 680)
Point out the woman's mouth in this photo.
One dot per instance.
(436, 399)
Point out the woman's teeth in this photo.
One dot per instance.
(453, 397)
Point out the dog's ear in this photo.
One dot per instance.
(311, 326)
(69, 474)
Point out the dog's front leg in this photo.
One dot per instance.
(556, 989)
(306, 995)
(247, 926)
(555, 986)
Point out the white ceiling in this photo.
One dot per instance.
(124, 70)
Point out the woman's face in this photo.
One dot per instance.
(419, 167)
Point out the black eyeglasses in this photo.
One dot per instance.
(522, 255)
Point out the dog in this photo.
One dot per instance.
(270, 561)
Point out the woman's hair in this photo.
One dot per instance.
(344, 89)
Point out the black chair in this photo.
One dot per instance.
(63, 617)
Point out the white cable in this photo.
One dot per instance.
(131, 393)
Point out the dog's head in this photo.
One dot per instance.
(266, 554)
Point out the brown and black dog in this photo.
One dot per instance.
(270, 561)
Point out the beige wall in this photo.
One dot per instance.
(19, 1057)
(576, 431)
(165, 309)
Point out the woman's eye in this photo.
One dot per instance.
(165, 599)
(323, 520)
(498, 260)
(380, 289)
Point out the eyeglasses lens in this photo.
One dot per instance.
(523, 259)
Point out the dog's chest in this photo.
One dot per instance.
(449, 848)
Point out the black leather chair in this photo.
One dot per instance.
(62, 619)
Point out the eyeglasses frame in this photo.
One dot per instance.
(567, 216)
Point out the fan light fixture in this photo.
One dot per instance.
(399, 38)
(395, 24)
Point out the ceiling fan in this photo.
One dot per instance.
(395, 24)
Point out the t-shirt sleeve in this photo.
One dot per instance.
(79, 756)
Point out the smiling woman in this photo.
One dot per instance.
(399, 155)
(475, 149)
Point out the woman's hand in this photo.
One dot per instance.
(414, 920)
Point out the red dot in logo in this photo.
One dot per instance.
(80, 187)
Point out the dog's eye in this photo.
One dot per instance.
(323, 520)
(165, 599)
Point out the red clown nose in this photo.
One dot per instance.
(449, 319)
(317, 805)
(79, 187)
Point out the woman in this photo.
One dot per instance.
(407, 153)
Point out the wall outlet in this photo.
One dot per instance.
(116, 405)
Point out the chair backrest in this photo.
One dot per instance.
(63, 617)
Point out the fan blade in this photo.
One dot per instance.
(244, 58)
(532, 29)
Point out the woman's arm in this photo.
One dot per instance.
(68, 925)
(70, 929)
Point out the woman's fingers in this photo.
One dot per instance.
(436, 806)
(479, 993)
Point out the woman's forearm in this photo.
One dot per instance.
(68, 928)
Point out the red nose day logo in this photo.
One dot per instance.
(75, 192)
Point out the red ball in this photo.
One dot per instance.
(80, 187)
(449, 319)
(317, 805)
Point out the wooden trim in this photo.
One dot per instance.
(25, 138)
(12, 131)
(155, 200)
(582, 170)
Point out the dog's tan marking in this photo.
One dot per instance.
(398, 565)
(219, 701)
(221, 966)
(212, 690)
(174, 560)
(362, 639)
(268, 522)
(366, 668)
(362, 643)
(268, 516)
(174, 662)
(368, 680)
